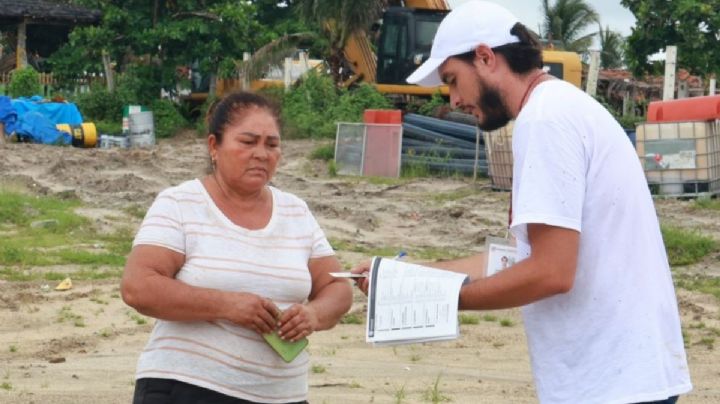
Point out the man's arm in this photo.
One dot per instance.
(549, 270)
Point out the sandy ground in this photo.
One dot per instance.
(46, 361)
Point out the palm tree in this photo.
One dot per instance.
(338, 20)
(564, 22)
(611, 48)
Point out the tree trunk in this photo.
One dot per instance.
(109, 74)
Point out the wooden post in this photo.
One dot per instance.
(244, 79)
(626, 103)
(286, 73)
(593, 70)
(670, 61)
(109, 76)
(711, 90)
(20, 50)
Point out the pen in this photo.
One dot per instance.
(400, 255)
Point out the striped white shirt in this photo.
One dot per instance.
(271, 262)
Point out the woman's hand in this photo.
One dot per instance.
(297, 322)
(252, 311)
(362, 283)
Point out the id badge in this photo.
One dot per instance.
(501, 254)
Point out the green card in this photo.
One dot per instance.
(286, 349)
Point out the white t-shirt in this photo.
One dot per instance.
(615, 336)
(271, 262)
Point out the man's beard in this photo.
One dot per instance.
(495, 113)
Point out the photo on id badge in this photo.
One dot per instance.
(501, 254)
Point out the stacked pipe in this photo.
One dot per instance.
(443, 146)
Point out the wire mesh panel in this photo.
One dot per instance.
(680, 158)
(368, 149)
(349, 146)
(498, 150)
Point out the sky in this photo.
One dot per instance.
(611, 13)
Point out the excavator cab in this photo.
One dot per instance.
(405, 40)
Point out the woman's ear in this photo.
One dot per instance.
(212, 146)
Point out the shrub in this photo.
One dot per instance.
(429, 107)
(313, 108)
(25, 82)
(99, 104)
(168, 119)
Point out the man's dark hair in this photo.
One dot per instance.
(521, 56)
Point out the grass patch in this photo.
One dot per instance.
(453, 195)
(6, 386)
(323, 152)
(465, 318)
(317, 368)
(352, 318)
(489, 318)
(686, 247)
(66, 315)
(698, 283)
(506, 322)
(399, 395)
(13, 348)
(707, 203)
(433, 393)
(47, 231)
(135, 211)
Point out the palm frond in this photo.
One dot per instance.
(273, 54)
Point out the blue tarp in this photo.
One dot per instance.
(56, 112)
(35, 121)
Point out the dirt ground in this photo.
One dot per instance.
(46, 361)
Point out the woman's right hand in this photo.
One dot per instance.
(362, 283)
(252, 311)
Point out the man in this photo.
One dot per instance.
(592, 275)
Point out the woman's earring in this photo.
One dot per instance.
(213, 161)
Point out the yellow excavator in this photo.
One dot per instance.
(404, 43)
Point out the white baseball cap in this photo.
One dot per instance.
(471, 24)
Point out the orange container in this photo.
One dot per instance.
(686, 109)
(382, 116)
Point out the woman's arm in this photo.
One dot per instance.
(149, 286)
(330, 298)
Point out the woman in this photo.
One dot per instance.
(222, 259)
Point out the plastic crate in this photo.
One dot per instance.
(680, 158)
(368, 149)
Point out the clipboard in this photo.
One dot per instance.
(287, 350)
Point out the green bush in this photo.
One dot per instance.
(324, 152)
(25, 82)
(108, 127)
(168, 119)
(428, 108)
(99, 104)
(313, 108)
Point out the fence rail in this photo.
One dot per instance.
(48, 82)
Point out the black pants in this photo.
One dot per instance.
(168, 391)
(671, 400)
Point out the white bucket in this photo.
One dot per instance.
(142, 129)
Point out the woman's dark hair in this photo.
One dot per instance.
(233, 108)
(521, 56)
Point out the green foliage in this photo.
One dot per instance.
(99, 104)
(692, 25)
(611, 48)
(430, 107)
(707, 203)
(168, 119)
(160, 36)
(466, 318)
(25, 82)
(566, 20)
(324, 152)
(109, 127)
(314, 106)
(338, 20)
(686, 247)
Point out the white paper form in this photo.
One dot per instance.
(409, 303)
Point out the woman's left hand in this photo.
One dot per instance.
(297, 322)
